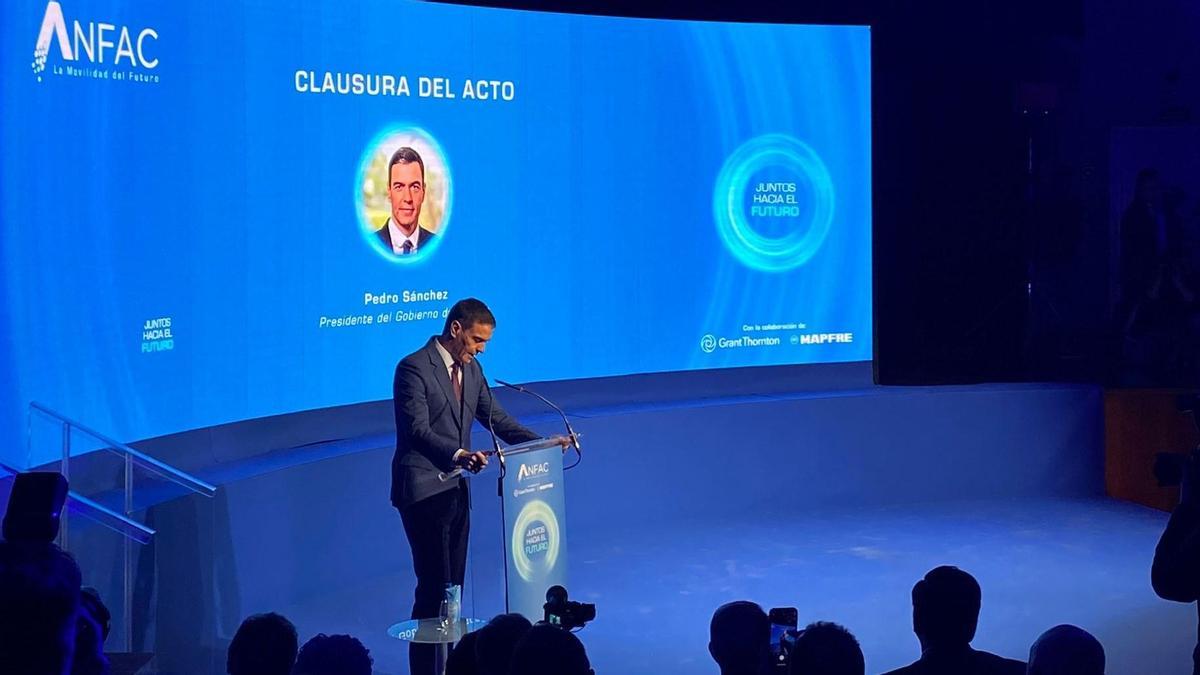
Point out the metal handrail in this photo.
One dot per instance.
(136, 531)
(129, 457)
(143, 460)
(102, 515)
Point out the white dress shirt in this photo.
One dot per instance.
(448, 360)
(398, 238)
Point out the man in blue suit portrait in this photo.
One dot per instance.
(438, 390)
(403, 234)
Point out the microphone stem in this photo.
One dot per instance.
(566, 422)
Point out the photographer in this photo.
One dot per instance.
(1175, 573)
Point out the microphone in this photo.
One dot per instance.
(491, 406)
(567, 423)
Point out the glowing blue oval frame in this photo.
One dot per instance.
(729, 204)
(365, 228)
(534, 510)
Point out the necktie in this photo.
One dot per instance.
(406, 248)
(454, 379)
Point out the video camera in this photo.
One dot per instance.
(564, 613)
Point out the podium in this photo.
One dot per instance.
(533, 510)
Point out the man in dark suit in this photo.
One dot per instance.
(945, 613)
(437, 391)
(402, 233)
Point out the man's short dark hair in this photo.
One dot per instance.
(405, 155)
(549, 650)
(1066, 650)
(333, 655)
(825, 648)
(495, 642)
(265, 644)
(39, 602)
(739, 636)
(946, 607)
(467, 313)
(461, 660)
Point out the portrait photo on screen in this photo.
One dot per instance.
(404, 195)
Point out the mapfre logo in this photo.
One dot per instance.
(88, 49)
(533, 470)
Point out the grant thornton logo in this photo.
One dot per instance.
(95, 50)
(708, 344)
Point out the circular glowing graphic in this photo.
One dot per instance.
(403, 194)
(535, 540)
(773, 203)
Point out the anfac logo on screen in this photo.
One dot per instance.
(89, 48)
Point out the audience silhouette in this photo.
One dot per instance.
(461, 660)
(549, 650)
(91, 630)
(1175, 573)
(39, 603)
(265, 644)
(946, 607)
(333, 655)
(825, 648)
(739, 638)
(1066, 650)
(49, 626)
(496, 641)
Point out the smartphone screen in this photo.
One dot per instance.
(782, 620)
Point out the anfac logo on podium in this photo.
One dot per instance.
(89, 48)
(533, 470)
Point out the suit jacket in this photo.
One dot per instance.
(965, 661)
(431, 426)
(424, 237)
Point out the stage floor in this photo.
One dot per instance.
(1040, 563)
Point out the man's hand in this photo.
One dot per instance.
(471, 461)
(565, 442)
